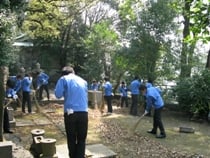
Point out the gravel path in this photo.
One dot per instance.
(113, 134)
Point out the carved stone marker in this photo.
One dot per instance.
(12, 121)
(186, 129)
(6, 149)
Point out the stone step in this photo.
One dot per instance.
(92, 151)
(99, 151)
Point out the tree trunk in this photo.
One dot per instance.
(187, 50)
(4, 72)
(208, 61)
(118, 78)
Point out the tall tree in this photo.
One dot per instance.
(101, 44)
(146, 28)
(196, 27)
(59, 25)
(5, 49)
(7, 21)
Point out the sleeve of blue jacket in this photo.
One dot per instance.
(17, 85)
(149, 102)
(59, 89)
(42, 79)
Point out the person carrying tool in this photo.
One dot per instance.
(18, 90)
(42, 84)
(11, 95)
(153, 98)
(74, 89)
(148, 85)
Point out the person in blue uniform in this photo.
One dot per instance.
(154, 99)
(134, 88)
(148, 85)
(94, 86)
(11, 94)
(26, 90)
(107, 86)
(42, 84)
(124, 94)
(74, 89)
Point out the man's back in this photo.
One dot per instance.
(74, 90)
(135, 84)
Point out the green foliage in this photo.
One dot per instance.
(6, 38)
(101, 45)
(43, 19)
(198, 14)
(200, 24)
(194, 94)
(146, 33)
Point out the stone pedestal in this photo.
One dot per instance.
(37, 136)
(48, 148)
(6, 149)
(95, 98)
(37, 132)
(12, 121)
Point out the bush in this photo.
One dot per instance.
(193, 94)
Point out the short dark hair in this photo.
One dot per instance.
(142, 87)
(150, 81)
(19, 76)
(106, 78)
(67, 70)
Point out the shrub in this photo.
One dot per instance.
(193, 94)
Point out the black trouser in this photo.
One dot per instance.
(157, 121)
(6, 120)
(109, 103)
(26, 99)
(43, 87)
(134, 104)
(76, 126)
(124, 99)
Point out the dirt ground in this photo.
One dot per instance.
(114, 131)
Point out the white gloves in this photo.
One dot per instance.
(15, 96)
(146, 112)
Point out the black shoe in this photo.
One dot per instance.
(161, 136)
(151, 132)
(8, 131)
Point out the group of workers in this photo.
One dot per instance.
(151, 94)
(74, 89)
(19, 89)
